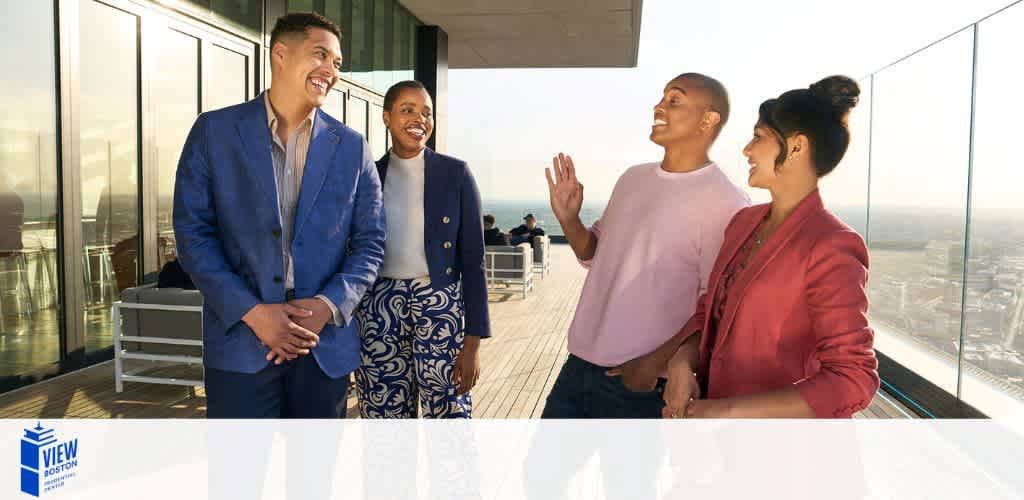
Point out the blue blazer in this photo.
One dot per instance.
(453, 233)
(228, 231)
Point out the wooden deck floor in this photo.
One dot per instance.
(519, 366)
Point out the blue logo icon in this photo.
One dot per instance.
(46, 462)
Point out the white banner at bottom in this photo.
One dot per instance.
(513, 459)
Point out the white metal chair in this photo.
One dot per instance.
(156, 325)
(511, 266)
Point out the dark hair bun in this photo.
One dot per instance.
(840, 92)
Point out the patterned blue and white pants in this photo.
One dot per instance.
(411, 334)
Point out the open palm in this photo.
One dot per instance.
(565, 190)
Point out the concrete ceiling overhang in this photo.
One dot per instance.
(535, 33)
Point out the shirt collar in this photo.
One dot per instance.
(272, 115)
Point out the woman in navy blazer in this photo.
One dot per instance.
(783, 331)
(422, 321)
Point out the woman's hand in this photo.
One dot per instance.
(709, 408)
(682, 389)
(466, 371)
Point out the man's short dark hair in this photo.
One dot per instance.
(297, 23)
(488, 220)
(719, 96)
(392, 94)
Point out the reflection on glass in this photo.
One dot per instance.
(109, 162)
(378, 38)
(383, 45)
(245, 13)
(175, 107)
(378, 132)
(361, 56)
(300, 5)
(339, 11)
(226, 85)
(918, 207)
(404, 44)
(993, 352)
(29, 293)
(845, 190)
(356, 118)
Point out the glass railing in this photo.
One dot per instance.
(945, 220)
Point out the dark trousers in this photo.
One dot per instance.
(630, 454)
(582, 390)
(293, 389)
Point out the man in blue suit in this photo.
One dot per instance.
(279, 222)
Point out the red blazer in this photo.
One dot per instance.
(802, 315)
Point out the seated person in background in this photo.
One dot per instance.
(493, 235)
(526, 232)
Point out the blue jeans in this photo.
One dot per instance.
(582, 390)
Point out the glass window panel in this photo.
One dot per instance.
(378, 132)
(383, 45)
(300, 6)
(226, 85)
(362, 42)
(175, 107)
(404, 40)
(845, 190)
(356, 118)
(993, 365)
(245, 13)
(109, 162)
(335, 105)
(918, 207)
(340, 11)
(29, 293)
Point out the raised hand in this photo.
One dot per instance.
(565, 189)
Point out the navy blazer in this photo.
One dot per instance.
(453, 233)
(228, 231)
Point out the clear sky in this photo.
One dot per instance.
(508, 123)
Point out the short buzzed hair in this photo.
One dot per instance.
(297, 23)
(392, 94)
(719, 96)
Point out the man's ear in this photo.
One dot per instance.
(711, 120)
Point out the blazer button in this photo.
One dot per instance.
(448, 270)
(445, 219)
(447, 244)
(276, 233)
(277, 279)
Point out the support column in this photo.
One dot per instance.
(432, 71)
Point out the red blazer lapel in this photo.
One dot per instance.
(771, 248)
(745, 226)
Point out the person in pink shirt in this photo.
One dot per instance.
(649, 257)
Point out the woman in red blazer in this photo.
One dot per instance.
(782, 331)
